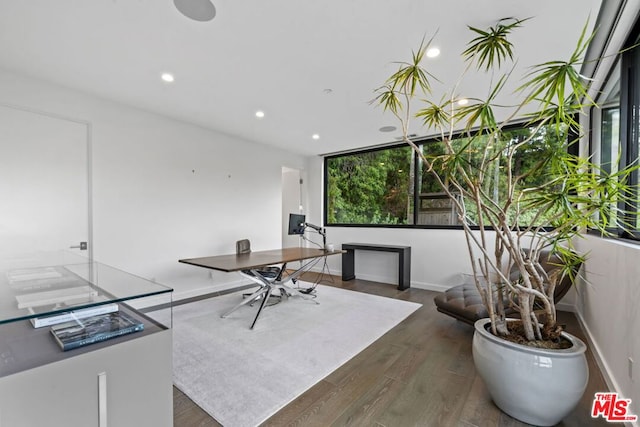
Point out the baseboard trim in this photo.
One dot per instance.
(566, 307)
(609, 379)
(182, 297)
(392, 281)
(430, 286)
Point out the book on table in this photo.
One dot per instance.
(69, 314)
(90, 330)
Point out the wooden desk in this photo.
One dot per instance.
(249, 265)
(253, 260)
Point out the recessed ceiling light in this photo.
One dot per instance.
(167, 77)
(259, 114)
(387, 129)
(433, 52)
(315, 136)
(198, 10)
(463, 101)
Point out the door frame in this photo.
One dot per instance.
(89, 161)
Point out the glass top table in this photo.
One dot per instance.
(47, 283)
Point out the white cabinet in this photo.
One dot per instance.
(123, 381)
(66, 393)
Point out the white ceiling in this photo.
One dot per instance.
(279, 56)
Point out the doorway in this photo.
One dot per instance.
(45, 183)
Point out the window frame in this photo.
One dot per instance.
(630, 122)
(325, 210)
(417, 163)
(629, 131)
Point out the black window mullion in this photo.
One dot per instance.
(630, 134)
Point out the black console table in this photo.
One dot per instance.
(404, 258)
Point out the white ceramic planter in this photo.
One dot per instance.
(537, 386)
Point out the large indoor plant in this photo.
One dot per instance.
(510, 213)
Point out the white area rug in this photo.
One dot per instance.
(241, 377)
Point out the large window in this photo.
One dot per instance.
(528, 162)
(371, 187)
(391, 186)
(606, 150)
(615, 141)
(630, 124)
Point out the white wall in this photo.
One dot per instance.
(164, 189)
(608, 301)
(438, 257)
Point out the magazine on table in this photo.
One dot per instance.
(81, 332)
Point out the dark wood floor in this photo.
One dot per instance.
(420, 373)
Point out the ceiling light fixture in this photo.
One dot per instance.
(433, 52)
(315, 136)
(259, 114)
(198, 10)
(463, 101)
(387, 129)
(167, 77)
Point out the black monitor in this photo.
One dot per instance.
(296, 223)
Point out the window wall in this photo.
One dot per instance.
(615, 141)
(630, 125)
(370, 187)
(392, 187)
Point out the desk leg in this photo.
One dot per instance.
(247, 300)
(262, 304)
(348, 261)
(404, 269)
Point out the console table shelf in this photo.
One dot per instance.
(404, 260)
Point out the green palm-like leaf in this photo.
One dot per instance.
(434, 115)
(491, 47)
(549, 82)
(481, 113)
(411, 75)
(516, 181)
(561, 115)
(388, 98)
